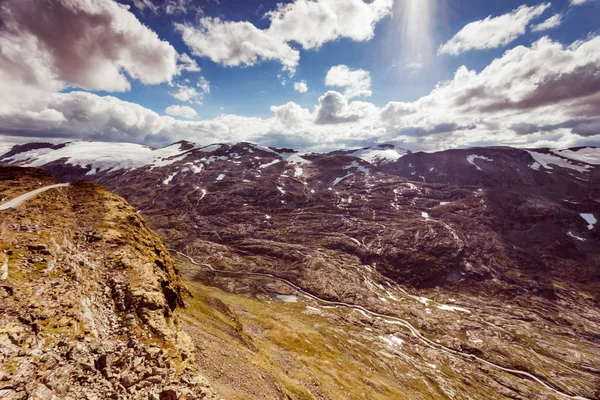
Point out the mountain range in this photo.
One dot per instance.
(368, 273)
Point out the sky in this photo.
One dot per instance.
(314, 75)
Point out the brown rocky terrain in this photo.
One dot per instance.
(88, 299)
(491, 259)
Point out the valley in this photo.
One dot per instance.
(327, 276)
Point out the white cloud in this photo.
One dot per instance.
(291, 115)
(334, 109)
(547, 94)
(236, 43)
(187, 63)
(551, 23)
(174, 7)
(310, 23)
(181, 111)
(187, 93)
(313, 23)
(493, 32)
(82, 115)
(91, 44)
(301, 87)
(145, 4)
(357, 82)
(204, 85)
(169, 7)
(579, 2)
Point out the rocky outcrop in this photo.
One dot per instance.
(88, 303)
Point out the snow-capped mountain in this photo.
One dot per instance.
(570, 173)
(481, 248)
(376, 155)
(233, 179)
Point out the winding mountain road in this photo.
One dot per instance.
(394, 320)
(17, 201)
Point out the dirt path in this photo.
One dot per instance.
(17, 201)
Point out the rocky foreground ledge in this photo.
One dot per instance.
(88, 300)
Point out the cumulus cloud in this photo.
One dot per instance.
(290, 115)
(545, 74)
(357, 82)
(187, 63)
(188, 94)
(334, 109)
(546, 88)
(551, 23)
(310, 23)
(236, 43)
(169, 7)
(547, 94)
(83, 115)
(493, 32)
(301, 87)
(181, 111)
(204, 85)
(313, 23)
(91, 44)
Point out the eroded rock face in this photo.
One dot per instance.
(87, 306)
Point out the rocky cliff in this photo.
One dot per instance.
(88, 299)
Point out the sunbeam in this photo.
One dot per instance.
(415, 22)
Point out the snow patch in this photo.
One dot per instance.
(453, 308)
(267, 165)
(213, 159)
(102, 156)
(423, 300)
(220, 177)
(545, 160)
(590, 219)
(535, 166)
(356, 165)
(295, 158)
(197, 168)
(576, 237)
(285, 298)
(338, 180)
(471, 159)
(210, 148)
(589, 155)
(169, 179)
(379, 154)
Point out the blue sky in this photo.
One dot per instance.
(250, 91)
(422, 74)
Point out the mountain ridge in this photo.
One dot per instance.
(350, 231)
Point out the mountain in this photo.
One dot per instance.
(376, 155)
(563, 174)
(89, 296)
(489, 252)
